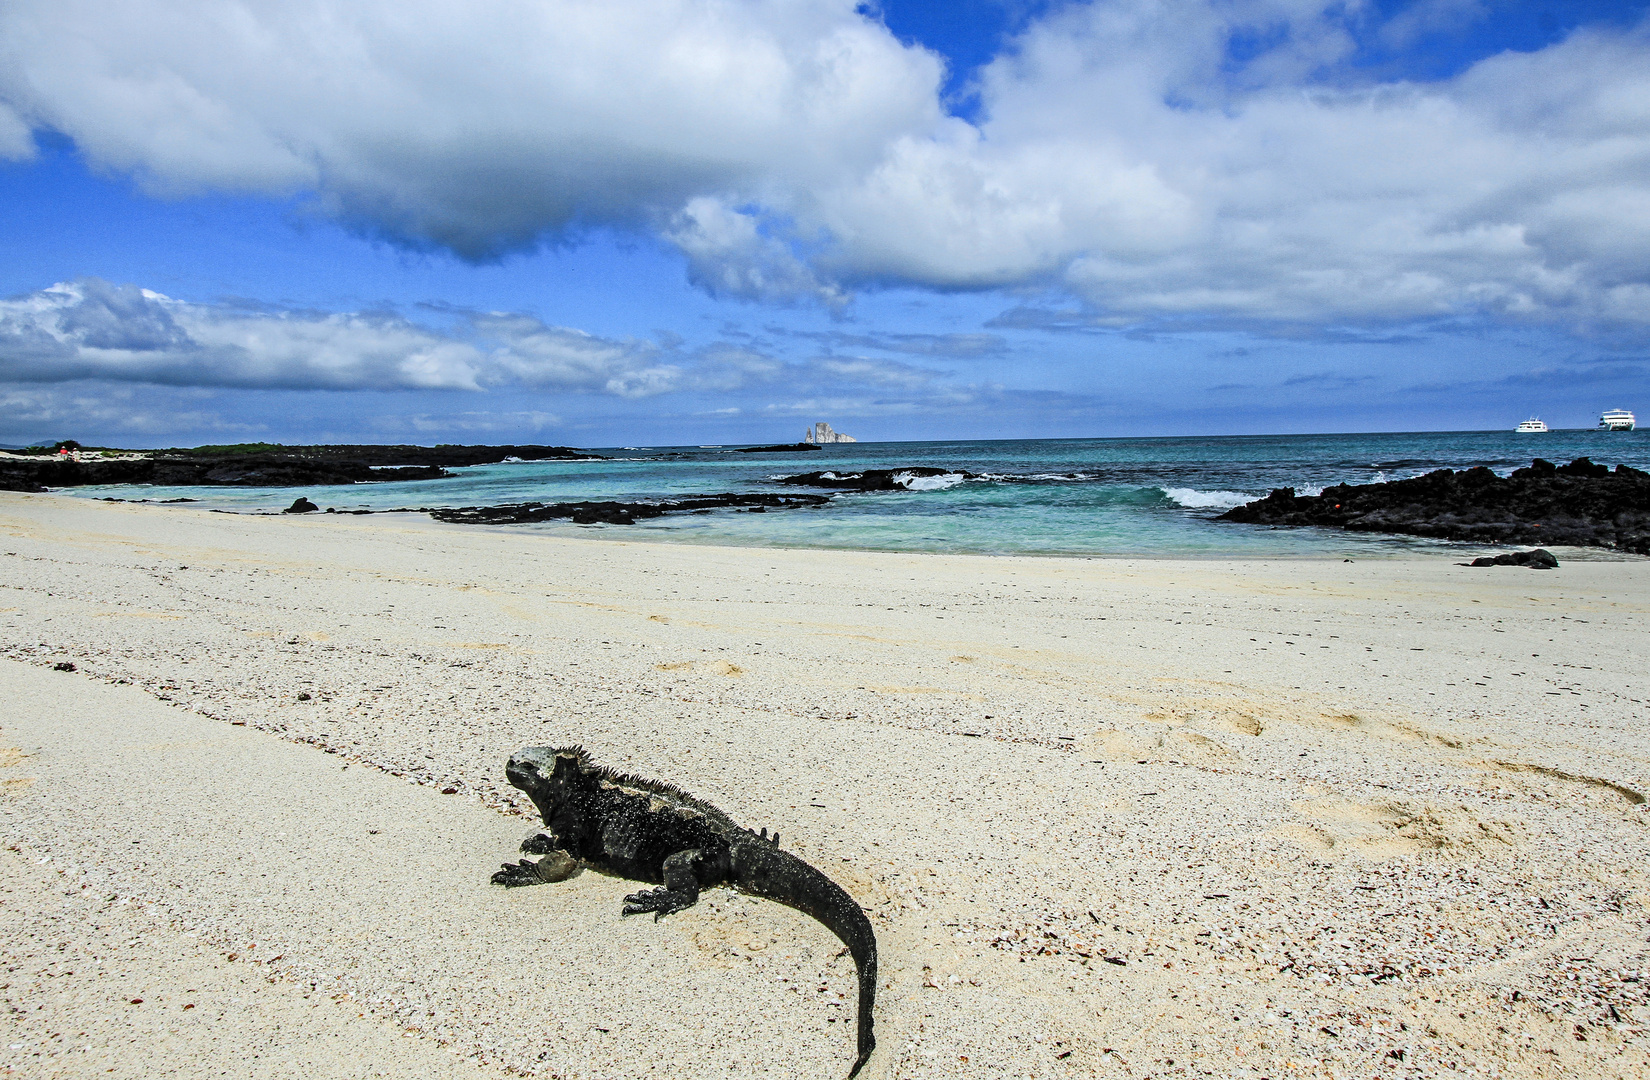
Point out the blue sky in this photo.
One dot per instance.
(717, 222)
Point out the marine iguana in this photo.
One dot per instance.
(645, 830)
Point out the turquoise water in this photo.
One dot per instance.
(1119, 497)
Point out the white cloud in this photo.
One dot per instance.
(534, 354)
(90, 329)
(1122, 163)
(1158, 159)
(476, 126)
(55, 411)
(1431, 17)
(729, 254)
(16, 141)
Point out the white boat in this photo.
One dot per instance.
(1531, 425)
(1616, 420)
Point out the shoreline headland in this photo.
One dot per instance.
(1241, 815)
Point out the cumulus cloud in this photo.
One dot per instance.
(1124, 160)
(16, 142)
(970, 346)
(46, 411)
(1216, 160)
(736, 253)
(478, 127)
(90, 329)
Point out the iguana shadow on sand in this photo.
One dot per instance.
(644, 830)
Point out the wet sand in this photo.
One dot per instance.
(1109, 817)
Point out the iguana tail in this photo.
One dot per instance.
(764, 870)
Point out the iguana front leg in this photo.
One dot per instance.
(555, 866)
(681, 888)
(539, 842)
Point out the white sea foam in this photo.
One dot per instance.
(1192, 498)
(928, 483)
(1045, 477)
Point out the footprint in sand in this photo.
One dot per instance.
(1384, 729)
(10, 758)
(1242, 715)
(1384, 829)
(1544, 779)
(1179, 745)
(704, 667)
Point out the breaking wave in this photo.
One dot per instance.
(1041, 477)
(912, 482)
(1193, 499)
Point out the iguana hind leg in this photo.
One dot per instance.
(680, 890)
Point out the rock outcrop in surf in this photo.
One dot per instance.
(872, 479)
(1584, 503)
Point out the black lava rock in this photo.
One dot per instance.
(868, 479)
(63, 665)
(268, 465)
(1583, 503)
(1538, 559)
(783, 448)
(301, 505)
(617, 513)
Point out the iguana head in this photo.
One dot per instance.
(548, 774)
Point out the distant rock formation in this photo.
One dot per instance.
(259, 465)
(821, 433)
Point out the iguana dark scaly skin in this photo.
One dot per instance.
(648, 831)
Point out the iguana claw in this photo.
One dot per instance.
(660, 901)
(513, 875)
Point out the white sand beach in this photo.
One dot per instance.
(1108, 817)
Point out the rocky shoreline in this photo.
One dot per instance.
(1583, 504)
(620, 513)
(260, 465)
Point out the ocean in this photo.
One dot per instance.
(1072, 497)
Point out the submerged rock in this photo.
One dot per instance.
(1583, 503)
